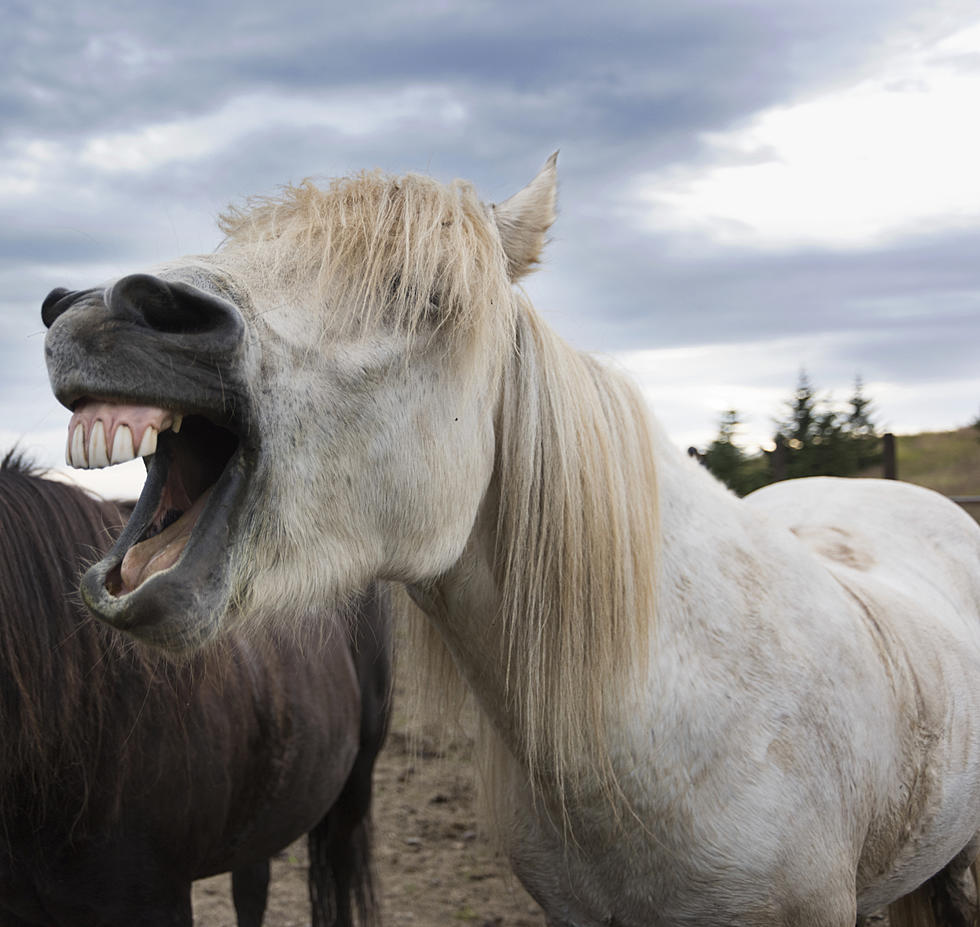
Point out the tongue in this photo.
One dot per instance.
(162, 550)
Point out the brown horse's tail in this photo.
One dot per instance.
(948, 899)
(341, 875)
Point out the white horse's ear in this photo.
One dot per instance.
(524, 219)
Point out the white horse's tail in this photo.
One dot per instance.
(948, 899)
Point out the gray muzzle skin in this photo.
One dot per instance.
(147, 341)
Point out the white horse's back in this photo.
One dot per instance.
(896, 533)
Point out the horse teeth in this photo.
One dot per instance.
(148, 445)
(98, 453)
(178, 421)
(77, 457)
(122, 445)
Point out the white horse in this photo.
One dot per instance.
(704, 710)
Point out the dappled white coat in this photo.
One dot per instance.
(811, 718)
(810, 724)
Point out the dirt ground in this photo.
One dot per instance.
(433, 866)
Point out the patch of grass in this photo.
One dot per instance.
(947, 461)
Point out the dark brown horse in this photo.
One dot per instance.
(124, 775)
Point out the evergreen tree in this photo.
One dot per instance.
(723, 456)
(832, 452)
(861, 430)
(802, 430)
(799, 428)
(727, 461)
(859, 423)
(816, 440)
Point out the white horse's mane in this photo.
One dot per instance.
(577, 548)
(577, 531)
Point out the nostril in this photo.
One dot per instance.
(54, 305)
(174, 308)
(146, 299)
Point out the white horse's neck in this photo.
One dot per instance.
(465, 602)
(464, 606)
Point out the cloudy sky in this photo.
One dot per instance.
(748, 187)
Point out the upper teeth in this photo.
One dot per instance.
(149, 443)
(98, 455)
(99, 438)
(122, 445)
(76, 449)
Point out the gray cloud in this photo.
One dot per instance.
(622, 88)
(915, 287)
(631, 67)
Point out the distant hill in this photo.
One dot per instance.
(947, 461)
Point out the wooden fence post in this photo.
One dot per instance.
(778, 460)
(888, 456)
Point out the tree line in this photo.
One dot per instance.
(812, 439)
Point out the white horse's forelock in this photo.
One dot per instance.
(380, 250)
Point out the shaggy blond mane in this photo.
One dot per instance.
(577, 549)
(406, 253)
(576, 545)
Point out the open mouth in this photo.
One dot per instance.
(179, 527)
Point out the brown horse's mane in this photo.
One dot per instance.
(69, 686)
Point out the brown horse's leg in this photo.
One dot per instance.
(250, 892)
